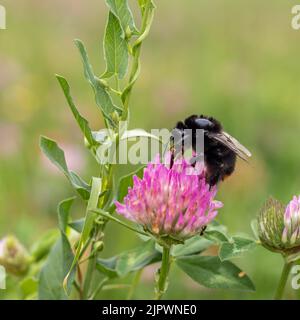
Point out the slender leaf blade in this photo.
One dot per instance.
(115, 49)
(58, 263)
(82, 122)
(121, 10)
(56, 155)
(103, 99)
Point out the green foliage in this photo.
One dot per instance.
(103, 99)
(56, 155)
(29, 287)
(192, 246)
(235, 248)
(88, 223)
(129, 261)
(58, 262)
(83, 123)
(42, 247)
(115, 48)
(211, 272)
(127, 182)
(121, 10)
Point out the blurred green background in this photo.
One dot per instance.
(235, 60)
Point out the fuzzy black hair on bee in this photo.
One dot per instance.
(220, 149)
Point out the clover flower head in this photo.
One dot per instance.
(279, 226)
(171, 201)
(291, 231)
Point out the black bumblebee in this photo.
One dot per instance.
(220, 149)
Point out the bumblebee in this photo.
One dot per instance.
(220, 148)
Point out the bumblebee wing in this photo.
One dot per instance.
(231, 143)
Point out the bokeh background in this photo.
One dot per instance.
(235, 60)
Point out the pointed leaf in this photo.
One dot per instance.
(77, 225)
(58, 262)
(115, 49)
(88, 222)
(41, 248)
(82, 122)
(237, 247)
(211, 272)
(129, 261)
(56, 155)
(191, 246)
(102, 96)
(121, 10)
(127, 182)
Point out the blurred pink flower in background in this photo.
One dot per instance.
(10, 139)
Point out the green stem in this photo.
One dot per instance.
(135, 283)
(92, 262)
(163, 273)
(89, 274)
(283, 279)
(98, 289)
(136, 52)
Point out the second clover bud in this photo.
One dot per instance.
(13, 256)
(279, 226)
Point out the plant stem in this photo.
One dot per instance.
(283, 279)
(98, 289)
(135, 282)
(163, 273)
(135, 69)
(89, 275)
(92, 262)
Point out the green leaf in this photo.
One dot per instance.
(88, 222)
(192, 246)
(77, 225)
(129, 261)
(127, 182)
(41, 248)
(143, 3)
(107, 267)
(102, 96)
(115, 49)
(29, 287)
(58, 262)
(82, 122)
(211, 272)
(217, 233)
(137, 258)
(56, 155)
(92, 204)
(121, 10)
(237, 247)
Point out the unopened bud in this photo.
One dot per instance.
(279, 226)
(13, 256)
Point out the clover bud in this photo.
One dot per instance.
(13, 256)
(279, 226)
